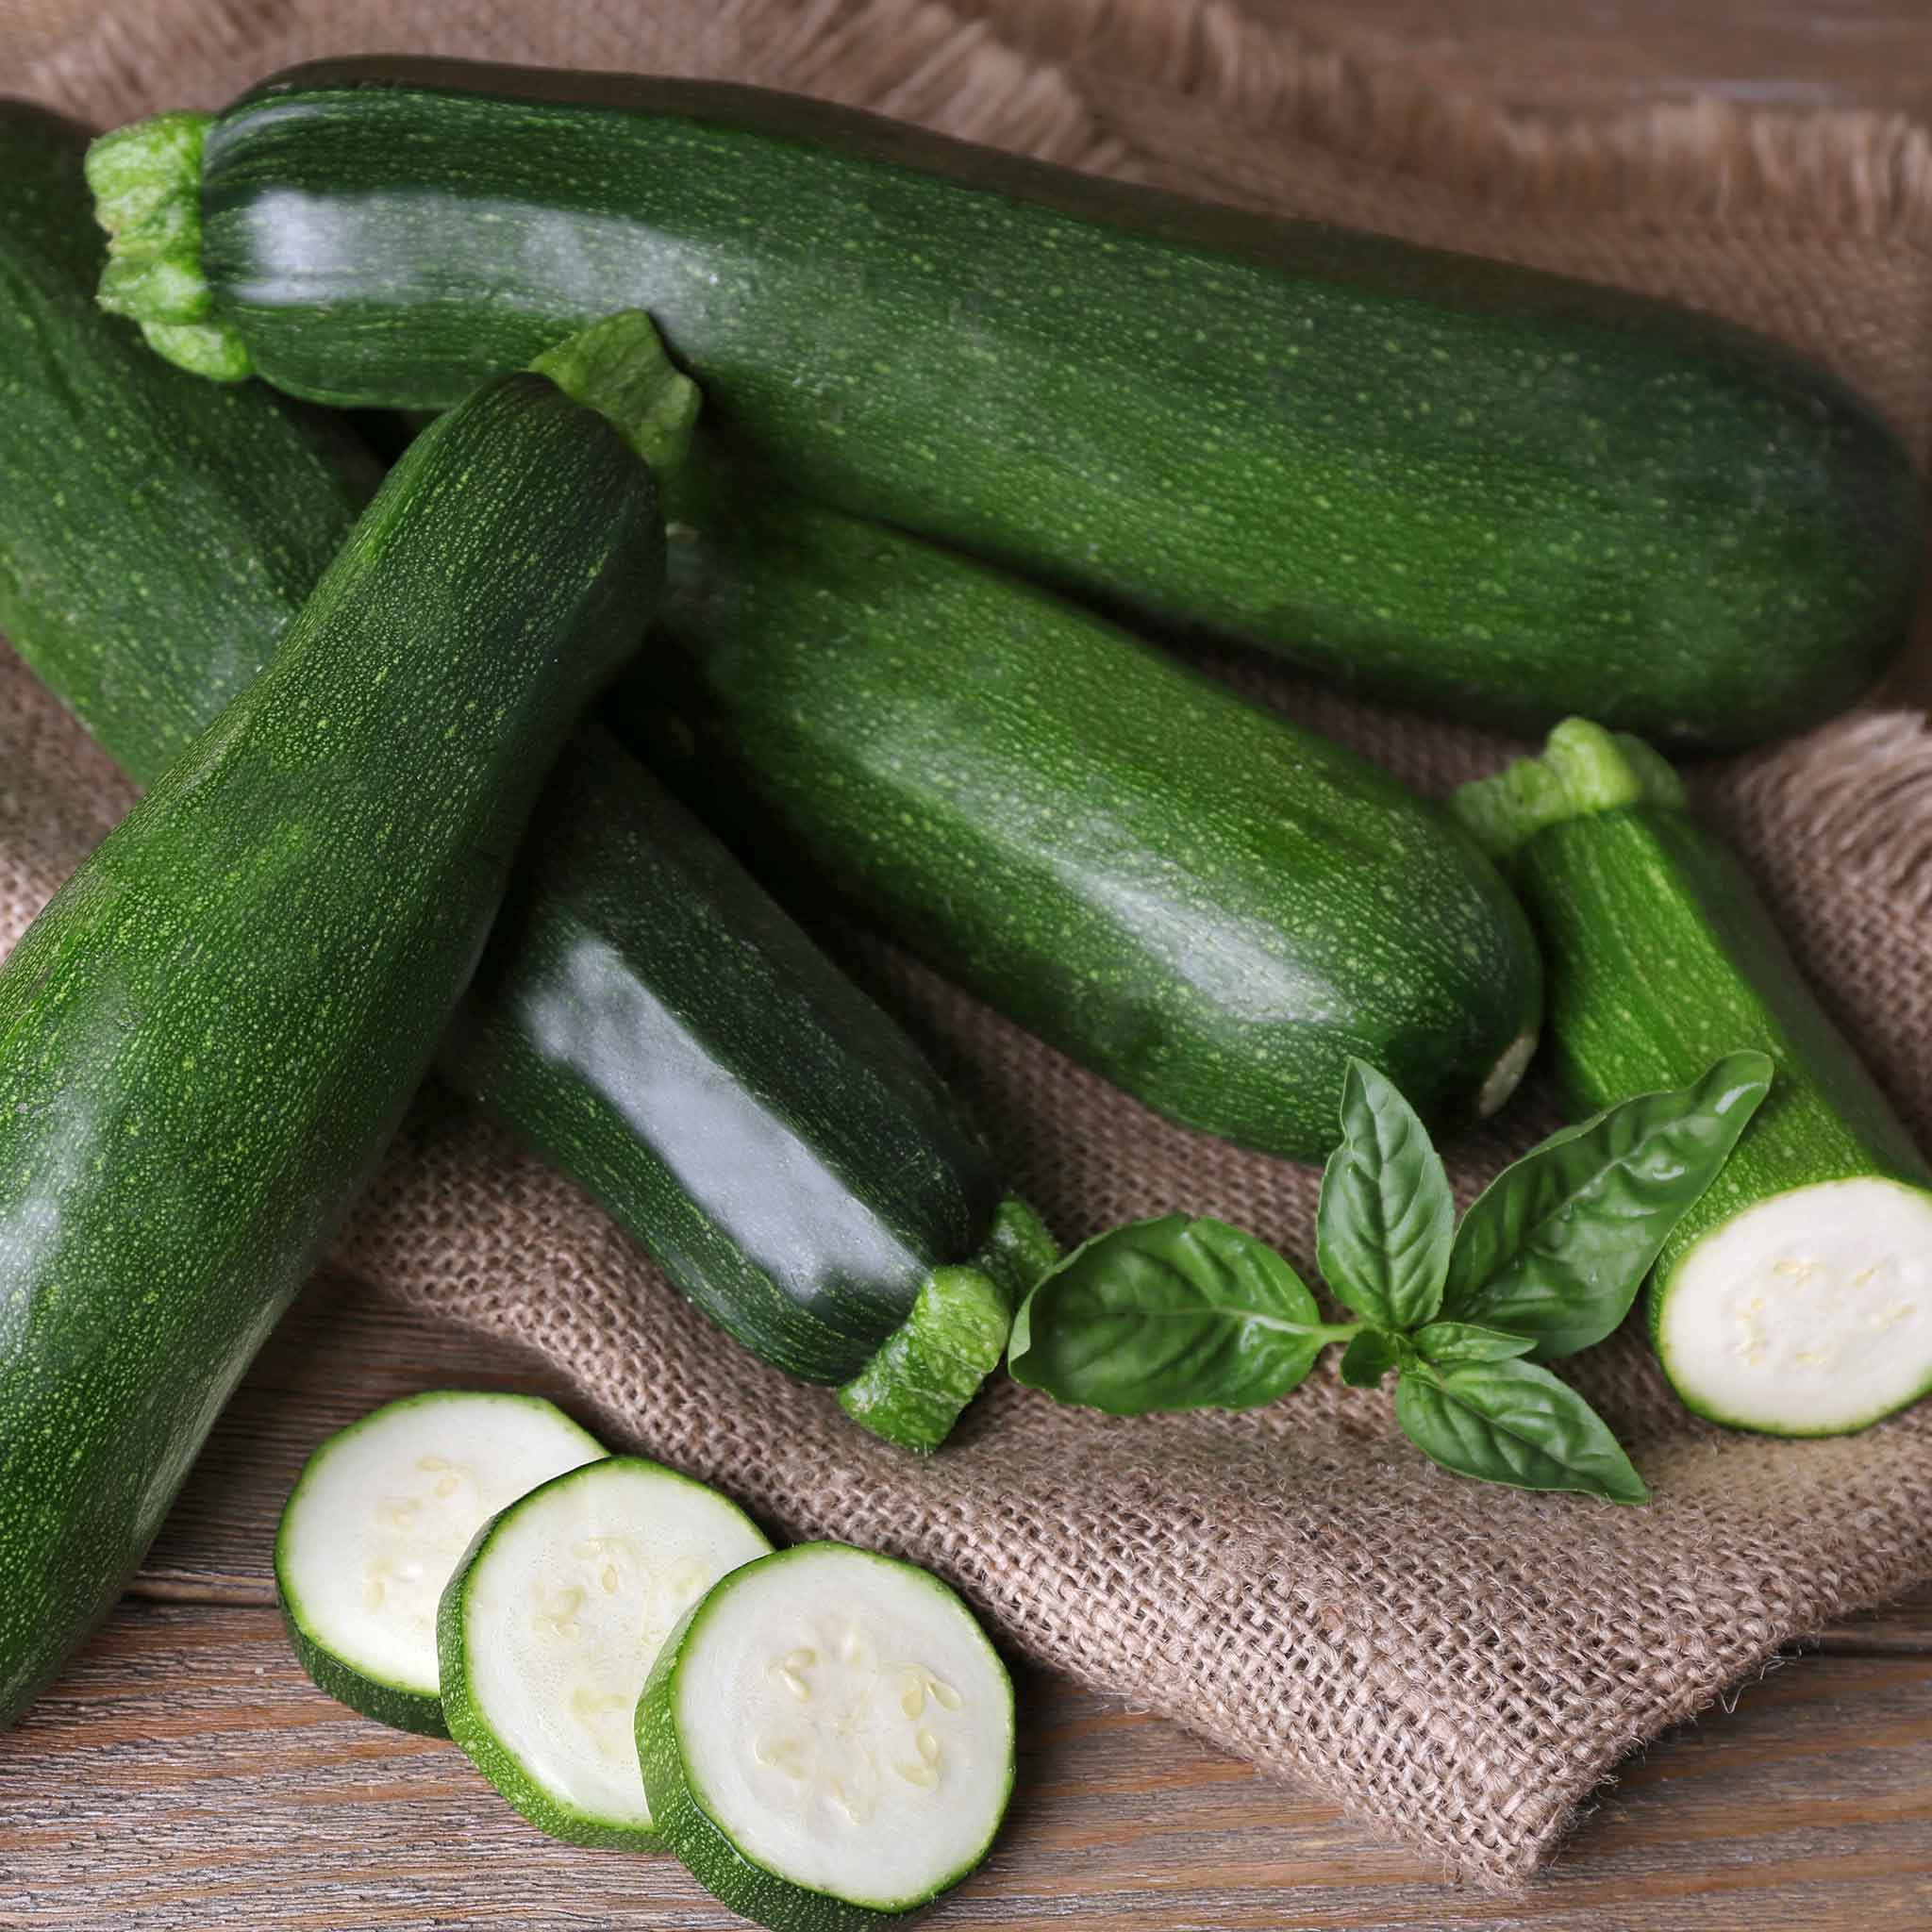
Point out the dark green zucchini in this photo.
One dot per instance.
(155, 537)
(1795, 1296)
(1209, 905)
(211, 1030)
(622, 902)
(1464, 485)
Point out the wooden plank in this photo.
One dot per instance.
(185, 1776)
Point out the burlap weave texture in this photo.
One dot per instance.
(1461, 1664)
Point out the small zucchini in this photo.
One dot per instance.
(636, 969)
(1465, 484)
(1188, 894)
(1796, 1298)
(208, 1035)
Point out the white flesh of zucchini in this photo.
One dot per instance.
(1807, 1314)
(844, 1721)
(564, 1607)
(380, 1518)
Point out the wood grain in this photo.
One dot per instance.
(184, 1775)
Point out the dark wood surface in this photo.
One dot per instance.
(184, 1775)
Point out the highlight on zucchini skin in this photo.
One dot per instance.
(1796, 1298)
(1462, 485)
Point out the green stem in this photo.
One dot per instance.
(1583, 769)
(618, 367)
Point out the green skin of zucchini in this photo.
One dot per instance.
(1189, 894)
(1615, 892)
(238, 503)
(209, 1034)
(688, 1830)
(1464, 485)
(155, 543)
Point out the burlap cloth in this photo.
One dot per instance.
(1461, 1664)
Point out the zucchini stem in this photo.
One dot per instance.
(1583, 769)
(618, 367)
(146, 182)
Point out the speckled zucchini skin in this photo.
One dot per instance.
(1663, 956)
(156, 534)
(1188, 894)
(622, 902)
(209, 1033)
(658, 1030)
(1473, 488)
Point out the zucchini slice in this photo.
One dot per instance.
(380, 1517)
(827, 1740)
(547, 1628)
(1796, 1298)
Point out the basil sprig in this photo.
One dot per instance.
(1176, 1313)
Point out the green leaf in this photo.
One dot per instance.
(1511, 1422)
(1385, 1219)
(1168, 1314)
(1556, 1246)
(1458, 1341)
(1369, 1357)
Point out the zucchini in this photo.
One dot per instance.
(1465, 484)
(827, 1740)
(380, 1516)
(659, 1030)
(1796, 1298)
(157, 536)
(1190, 895)
(549, 1623)
(622, 901)
(209, 1033)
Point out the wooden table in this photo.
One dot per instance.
(184, 1775)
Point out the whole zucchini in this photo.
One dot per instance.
(211, 1030)
(1209, 905)
(691, 991)
(1465, 484)
(1795, 1296)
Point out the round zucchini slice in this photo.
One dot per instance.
(551, 1622)
(827, 1740)
(377, 1520)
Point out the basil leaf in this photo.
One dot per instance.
(1458, 1341)
(1556, 1246)
(1511, 1422)
(1167, 1314)
(1369, 1357)
(1386, 1217)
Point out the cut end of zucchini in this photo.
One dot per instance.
(828, 1738)
(550, 1624)
(146, 183)
(931, 1366)
(618, 367)
(1583, 769)
(380, 1516)
(1807, 1314)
